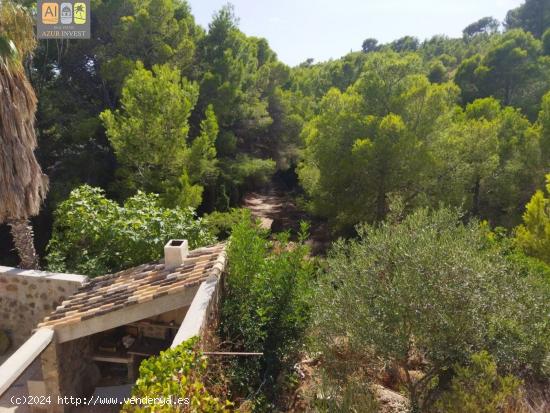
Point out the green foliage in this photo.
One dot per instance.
(288, 115)
(149, 135)
(76, 81)
(405, 44)
(396, 131)
(241, 79)
(469, 150)
(260, 105)
(372, 126)
(252, 172)
(202, 156)
(316, 80)
(16, 38)
(220, 224)
(533, 236)
(468, 78)
(370, 45)
(450, 51)
(433, 286)
(438, 72)
(532, 16)
(93, 235)
(478, 388)
(159, 31)
(177, 374)
(267, 304)
(485, 25)
(546, 43)
(372, 140)
(510, 71)
(488, 161)
(544, 125)
(239, 76)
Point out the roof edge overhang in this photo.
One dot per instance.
(130, 314)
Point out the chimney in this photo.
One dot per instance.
(175, 252)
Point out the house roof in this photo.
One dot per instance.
(102, 295)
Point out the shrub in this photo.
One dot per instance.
(220, 224)
(177, 374)
(533, 236)
(546, 42)
(478, 388)
(94, 235)
(432, 287)
(266, 308)
(252, 172)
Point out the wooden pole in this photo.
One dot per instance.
(230, 353)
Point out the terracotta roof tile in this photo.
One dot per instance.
(140, 284)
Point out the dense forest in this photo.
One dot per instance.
(427, 160)
(156, 103)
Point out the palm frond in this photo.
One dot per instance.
(23, 186)
(17, 24)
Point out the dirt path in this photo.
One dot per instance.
(274, 209)
(277, 211)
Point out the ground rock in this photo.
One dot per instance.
(390, 401)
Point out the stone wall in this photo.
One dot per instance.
(68, 370)
(27, 296)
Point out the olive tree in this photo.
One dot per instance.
(433, 288)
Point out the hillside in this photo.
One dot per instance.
(386, 214)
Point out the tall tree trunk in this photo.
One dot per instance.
(22, 234)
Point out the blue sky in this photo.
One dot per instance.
(324, 29)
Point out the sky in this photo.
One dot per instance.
(324, 29)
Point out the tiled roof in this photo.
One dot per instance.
(136, 285)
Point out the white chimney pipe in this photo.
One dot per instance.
(175, 252)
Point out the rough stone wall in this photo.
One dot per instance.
(26, 297)
(50, 375)
(79, 373)
(68, 370)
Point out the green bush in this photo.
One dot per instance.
(478, 388)
(94, 235)
(434, 287)
(177, 374)
(546, 42)
(252, 172)
(267, 306)
(220, 224)
(532, 236)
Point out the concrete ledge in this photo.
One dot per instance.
(23, 357)
(196, 318)
(43, 274)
